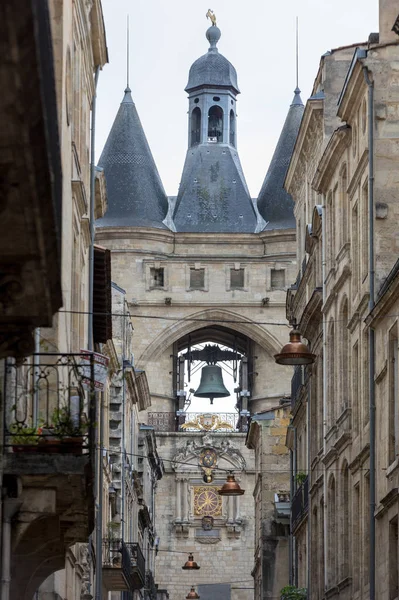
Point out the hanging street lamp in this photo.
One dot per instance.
(231, 487)
(295, 352)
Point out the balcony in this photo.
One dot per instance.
(49, 407)
(123, 566)
(48, 462)
(168, 421)
(300, 503)
(150, 587)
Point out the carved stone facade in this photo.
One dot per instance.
(332, 439)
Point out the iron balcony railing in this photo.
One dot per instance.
(168, 421)
(300, 504)
(128, 558)
(50, 403)
(150, 587)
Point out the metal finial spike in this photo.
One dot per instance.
(127, 53)
(296, 53)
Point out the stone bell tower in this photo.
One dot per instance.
(207, 271)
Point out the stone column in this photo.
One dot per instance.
(185, 500)
(230, 509)
(178, 499)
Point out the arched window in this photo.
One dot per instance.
(332, 532)
(331, 395)
(344, 357)
(344, 522)
(215, 124)
(196, 126)
(232, 128)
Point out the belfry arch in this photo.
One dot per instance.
(213, 318)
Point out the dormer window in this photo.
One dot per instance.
(215, 124)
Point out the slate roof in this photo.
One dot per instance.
(213, 194)
(212, 69)
(136, 196)
(274, 203)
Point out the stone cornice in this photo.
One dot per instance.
(331, 156)
(354, 87)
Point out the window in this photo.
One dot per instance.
(332, 533)
(232, 128)
(277, 279)
(236, 279)
(393, 559)
(157, 278)
(355, 250)
(366, 370)
(393, 395)
(196, 126)
(345, 520)
(215, 124)
(355, 388)
(344, 358)
(365, 231)
(366, 530)
(356, 538)
(331, 397)
(197, 279)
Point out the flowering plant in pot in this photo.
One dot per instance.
(23, 437)
(70, 429)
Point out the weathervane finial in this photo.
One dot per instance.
(211, 15)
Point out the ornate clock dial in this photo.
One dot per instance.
(207, 501)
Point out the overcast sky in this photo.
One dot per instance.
(258, 38)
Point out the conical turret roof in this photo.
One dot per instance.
(274, 203)
(136, 196)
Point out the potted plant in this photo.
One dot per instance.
(23, 438)
(291, 592)
(69, 430)
(300, 478)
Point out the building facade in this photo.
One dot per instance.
(345, 405)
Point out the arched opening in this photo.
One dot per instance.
(232, 128)
(332, 532)
(345, 522)
(215, 124)
(196, 126)
(344, 357)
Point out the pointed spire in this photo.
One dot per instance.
(136, 196)
(275, 204)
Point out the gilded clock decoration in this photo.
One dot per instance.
(208, 458)
(207, 501)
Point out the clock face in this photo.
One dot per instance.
(207, 501)
(208, 458)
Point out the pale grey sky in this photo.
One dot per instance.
(258, 38)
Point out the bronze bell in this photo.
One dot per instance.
(211, 385)
(192, 595)
(231, 487)
(190, 565)
(295, 352)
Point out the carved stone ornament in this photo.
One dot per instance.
(84, 561)
(207, 540)
(224, 449)
(207, 523)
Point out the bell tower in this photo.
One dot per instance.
(212, 100)
(213, 195)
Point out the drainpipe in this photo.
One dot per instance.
(370, 85)
(295, 470)
(324, 274)
(10, 507)
(92, 204)
(290, 539)
(123, 423)
(309, 532)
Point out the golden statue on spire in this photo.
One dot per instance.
(211, 15)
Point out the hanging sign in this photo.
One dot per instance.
(100, 365)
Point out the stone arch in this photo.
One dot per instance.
(186, 325)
